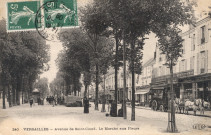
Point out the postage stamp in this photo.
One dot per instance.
(21, 15)
(54, 15)
(59, 13)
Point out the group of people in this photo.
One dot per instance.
(50, 99)
(39, 101)
(54, 101)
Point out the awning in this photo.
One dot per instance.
(35, 91)
(158, 88)
(142, 91)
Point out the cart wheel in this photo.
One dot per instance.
(154, 105)
(161, 108)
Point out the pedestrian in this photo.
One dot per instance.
(53, 101)
(31, 102)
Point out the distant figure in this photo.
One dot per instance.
(31, 102)
(53, 101)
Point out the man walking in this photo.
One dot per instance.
(31, 102)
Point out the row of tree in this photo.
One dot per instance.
(23, 56)
(81, 55)
(90, 49)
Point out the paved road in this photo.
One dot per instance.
(60, 120)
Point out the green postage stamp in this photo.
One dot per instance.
(50, 14)
(60, 13)
(21, 15)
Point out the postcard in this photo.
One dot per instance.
(105, 67)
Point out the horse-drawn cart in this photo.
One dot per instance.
(159, 100)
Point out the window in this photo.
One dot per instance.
(160, 58)
(183, 47)
(193, 42)
(174, 69)
(182, 66)
(192, 59)
(202, 34)
(160, 71)
(203, 62)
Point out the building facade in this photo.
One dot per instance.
(192, 73)
(143, 83)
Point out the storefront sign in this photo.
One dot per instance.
(185, 74)
(175, 77)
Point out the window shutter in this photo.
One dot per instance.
(185, 68)
(206, 61)
(192, 43)
(198, 64)
(198, 36)
(191, 62)
(206, 34)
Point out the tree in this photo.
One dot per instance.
(93, 24)
(42, 86)
(70, 69)
(171, 46)
(110, 10)
(22, 57)
(90, 53)
(173, 14)
(138, 18)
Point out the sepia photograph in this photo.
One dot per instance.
(105, 67)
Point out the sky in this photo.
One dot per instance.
(56, 47)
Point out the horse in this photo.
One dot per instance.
(189, 105)
(179, 105)
(176, 104)
(206, 105)
(200, 105)
(197, 104)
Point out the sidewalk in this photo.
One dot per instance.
(2, 113)
(207, 113)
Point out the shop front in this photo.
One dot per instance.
(160, 89)
(196, 87)
(142, 95)
(120, 94)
